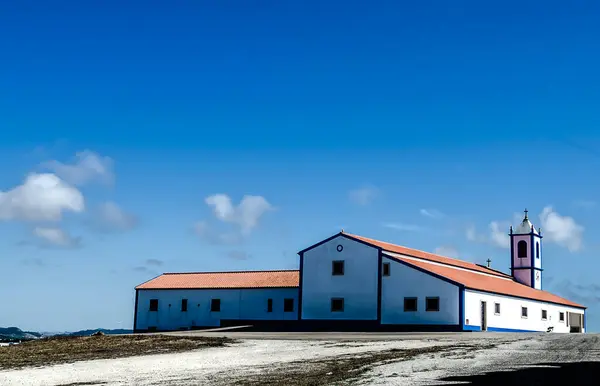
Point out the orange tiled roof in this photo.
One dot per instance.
(496, 284)
(240, 279)
(426, 255)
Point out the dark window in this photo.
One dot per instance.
(410, 304)
(337, 267)
(561, 316)
(432, 304)
(269, 305)
(537, 250)
(215, 305)
(337, 305)
(544, 315)
(523, 312)
(288, 305)
(386, 269)
(183, 305)
(522, 249)
(497, 308)
(153, 304)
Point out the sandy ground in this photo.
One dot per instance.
(407, 360)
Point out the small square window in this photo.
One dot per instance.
(497, 308)
(386, 269)
(153, 304)
(288, 305)
(523, 312)
(410, 304)
(337, 305)
(269, 305)
(432, 304)
(561, 316)
(544, 315)
(337, 267)
(215, 305)
(184, 305)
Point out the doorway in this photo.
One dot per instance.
(483, 316)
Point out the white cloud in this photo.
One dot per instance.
(561, 230)
(246, 215)
(403, 227)
(431, 213)
(446, 251)
(211, 236)
(86, 167)
(364, 195)
(111, 216)
(498, 236)
(42, 197)
(55, 237)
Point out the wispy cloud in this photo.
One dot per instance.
(431, 213)
(363, 196)
(86, 167)
(446, 250)
(403, 227)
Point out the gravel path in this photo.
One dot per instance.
(423, 361)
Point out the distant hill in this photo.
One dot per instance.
(105, 331)
(13, 334)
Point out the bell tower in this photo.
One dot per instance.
(526, 253)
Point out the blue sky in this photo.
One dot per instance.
(427, 124)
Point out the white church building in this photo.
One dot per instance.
(350, 282)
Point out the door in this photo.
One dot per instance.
(483, 316)
(575, 321)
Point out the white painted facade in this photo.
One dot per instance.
(237, 304)
(405, 281)
(358, 286)
(510, 313)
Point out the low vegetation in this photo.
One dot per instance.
(67, 349)
(344, 369)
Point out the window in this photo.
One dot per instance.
(215, 305)
(386, 269)
(153, 304)
(269, 305)
(537, 250)
(337, 304)
(544, 315)
(561, 317)
(522, 249)
(497, 308)
(432, 304)
(410, 304)
(183, 305)
(523, 312)
(288, 305)
(337, 267)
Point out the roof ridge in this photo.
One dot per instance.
(429, 253)
(243, 271)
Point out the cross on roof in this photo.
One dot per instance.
(526, 211)
(488, 261)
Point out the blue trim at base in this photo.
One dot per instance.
(494, 329)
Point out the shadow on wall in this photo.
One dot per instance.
(579, 373)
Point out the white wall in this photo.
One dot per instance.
(510, 313)
(358, 285)
(244, 304)
(409, 282)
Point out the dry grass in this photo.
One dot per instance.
(339, 370)
(56, 350)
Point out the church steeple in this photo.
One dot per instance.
(525, 250)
